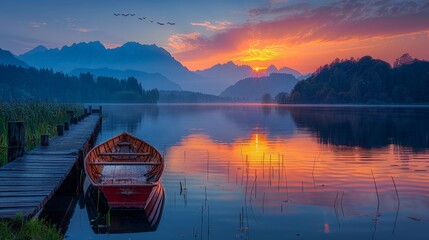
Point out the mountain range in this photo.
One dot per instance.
(154, 67)
(221, 76)
(136, 58)
(131, 55)
(151, 65)
(252, 89)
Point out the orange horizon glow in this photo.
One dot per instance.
(306, 57)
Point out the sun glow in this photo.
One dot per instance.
(259, 69)
(260, 52)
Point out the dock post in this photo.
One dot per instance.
(60, 129)
(15, 140)
(66, 126)
(80, 158)
(71, 115)
(85, 112)
(44, 140)
(90, 110)
(101, 110)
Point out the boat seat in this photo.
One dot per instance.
(124, 154)
(125, 147)
(124, 163)
(125, 144)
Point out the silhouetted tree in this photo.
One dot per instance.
(267, 98)
(282, 98)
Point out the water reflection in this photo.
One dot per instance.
(252, 172)
(122, 220)
(129, 117)
(366, 127)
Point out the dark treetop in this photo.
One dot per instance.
(365, 80)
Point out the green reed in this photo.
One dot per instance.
(40, 118)
(18, 228)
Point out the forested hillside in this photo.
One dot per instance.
(22, 84)
(366, 80)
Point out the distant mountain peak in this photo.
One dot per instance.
(230, 63)
(272, 69)
(136, 46)
(404, 60)
(94, 45)
(40, 48)
(139, 45)
(131, 45)
(7, 58)
(289, 70)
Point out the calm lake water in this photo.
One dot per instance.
(275, 172)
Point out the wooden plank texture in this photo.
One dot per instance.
(27, 183)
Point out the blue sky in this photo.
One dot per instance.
(299, 34)
(25, 24)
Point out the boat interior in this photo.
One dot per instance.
(124, 160)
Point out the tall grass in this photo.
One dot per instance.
(40, 118)
(18, 228)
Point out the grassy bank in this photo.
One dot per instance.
(18, 228)
(39, 118)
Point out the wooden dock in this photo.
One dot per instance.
(28, 182)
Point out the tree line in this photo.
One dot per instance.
(23, 84)
(363, 81)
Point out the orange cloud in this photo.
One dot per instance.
(220, 25)
(83, 30)
(184, 42)
(259, 52)
(304, 37)
(111, 45)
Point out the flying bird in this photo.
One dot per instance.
(132, 14)
(160, 23)
(140, 18)
(116, 14)
(171, 23)
(151, 21)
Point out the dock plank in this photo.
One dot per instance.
(27, 183)
(28, 193)
(25, 188)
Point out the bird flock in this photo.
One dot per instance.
(142, 18)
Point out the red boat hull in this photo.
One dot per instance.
(128, 196)
(124, 219)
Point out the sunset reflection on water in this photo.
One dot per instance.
(301, 171)
(270, 172)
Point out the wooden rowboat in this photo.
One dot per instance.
(126, 170)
